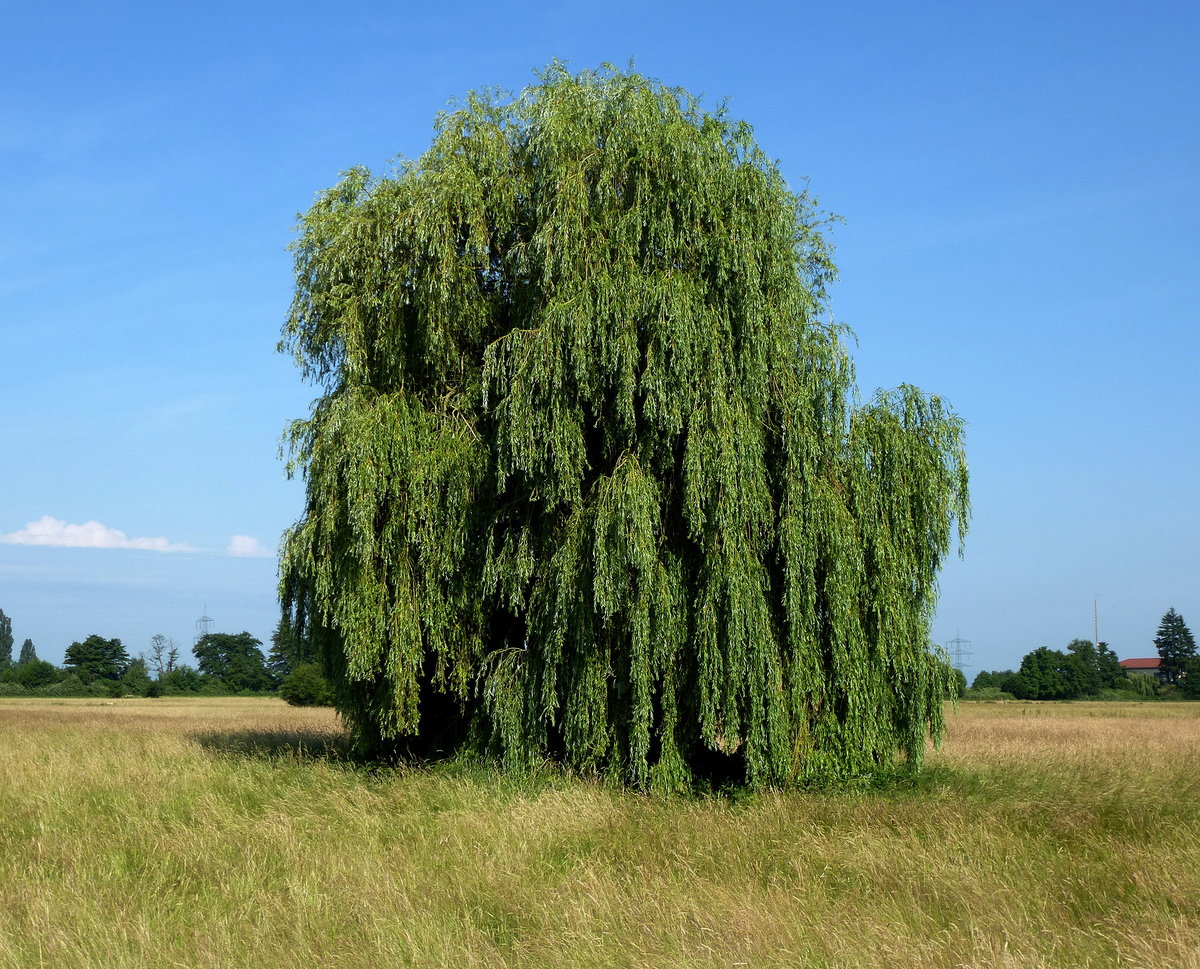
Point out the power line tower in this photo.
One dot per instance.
(960, 651)
(203, 626)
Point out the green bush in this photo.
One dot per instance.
(182, 679)
(306, 686)
(987, 693)
(1143, 684)
(1121, 696)
(1189, 682)
(69, 685)
(136, 679)
(13, 689)
(37, 673)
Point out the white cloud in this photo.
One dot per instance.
(243, 546)
(91, 534)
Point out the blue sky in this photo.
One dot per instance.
(1021, 196)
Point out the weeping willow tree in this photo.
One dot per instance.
(588, 479)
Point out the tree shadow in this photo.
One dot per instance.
(290, 745)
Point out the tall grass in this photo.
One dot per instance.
(235, 833)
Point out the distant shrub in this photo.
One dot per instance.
(69, 685)
(306, 686)
(37, 673)
(1122, 696)
(182, 679)
(13, 689)
(985, 679)
(987, 693)
(136, 680)
(1144, 684)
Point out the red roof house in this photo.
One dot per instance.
(1151, 665)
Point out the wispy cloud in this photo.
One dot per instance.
(243, 546)
(48, 530)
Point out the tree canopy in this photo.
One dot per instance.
(1101, 668)
(97, 658)
(235, 659)
(588, 479)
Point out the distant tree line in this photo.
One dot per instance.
(1084, 669)
(1088, 669)
(226, 664)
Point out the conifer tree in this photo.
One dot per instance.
(28, 653)
(1175, 645)
(289, 650)
(6, 640)
(97, 658)
(587, 479)
(233, 659)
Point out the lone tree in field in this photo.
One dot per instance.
(1175, 645)
(586, 480)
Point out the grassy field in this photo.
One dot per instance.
(232, 833)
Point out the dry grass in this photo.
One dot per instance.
(231, 833)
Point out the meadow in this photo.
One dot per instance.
(235, 833)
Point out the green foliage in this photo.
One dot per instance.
(987, 693)
(28, 654)
(1084, 677)
(1084, 670)
(1048, 674)
(136, 679)
(37, 673)
(6, 640)
(69, 685)
(1098, 668)
(587, 480)
(235, 661)
(1126, 695)
(1108, 666)
(306, 686)
(182, 679)
(97, 658)
(1143, 684)
(1175, 645)
(985, 680)
(105, 688)
(1189, 680)
(290, 649)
